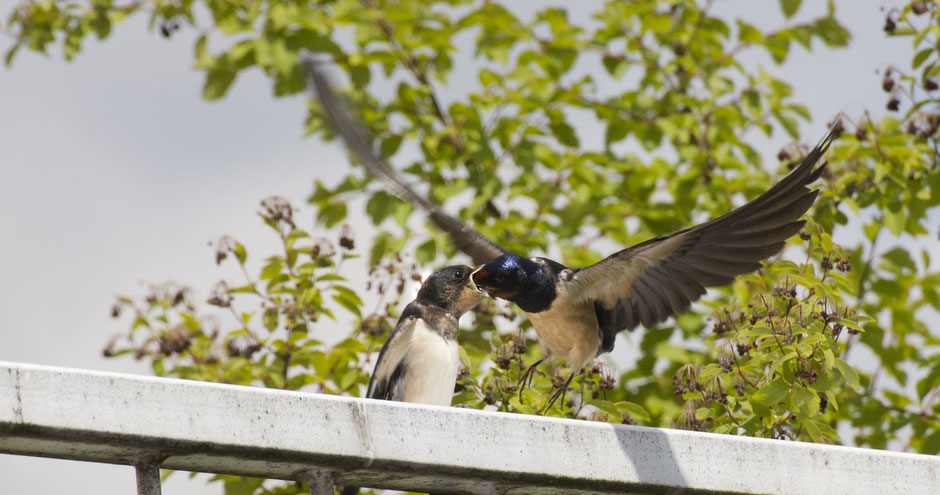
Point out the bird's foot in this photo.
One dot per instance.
(560, 393)
(527, 377)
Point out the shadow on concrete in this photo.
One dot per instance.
(653, 458)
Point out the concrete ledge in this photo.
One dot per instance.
(195, 426)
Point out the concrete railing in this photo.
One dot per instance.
(156, 423)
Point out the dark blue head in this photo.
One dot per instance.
(528, 283)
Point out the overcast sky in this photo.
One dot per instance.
(116, 173)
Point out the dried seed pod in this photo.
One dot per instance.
(890, 25)
(861, 133)
(836, 330)
(504, 356)
(887, 82)
(726, 362)
(173, 341)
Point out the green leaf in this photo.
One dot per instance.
(379, 207)
(900, 257)
(360, 75)
(825, 240)
(778, 46)
(931, 444)
(310, 298)
(218, 80)
(348, 299)
(772, 393)
(426, 252)
(748, 33)
(332, 214)
(790, 7)
(894, 220)
(608, 407)
(831, 32)
(929, 382)
(671, 352)
(102, 26)
(635, 410)
(921, 57)
(850, 324)
(789, 124)
(240, 253)
(390, 145)
(652, 137)
(11, 53)
(813, 430)
(617, 129)
(848, 373)
(331, 277)
(564, 133)
(270, 318)
(158, 367)
(379, 248)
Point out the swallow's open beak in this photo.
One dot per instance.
(473, 282)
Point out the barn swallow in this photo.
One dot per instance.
(420, 360)
(577, 312)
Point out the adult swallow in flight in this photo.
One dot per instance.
(577, 312)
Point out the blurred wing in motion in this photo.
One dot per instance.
(465, 238)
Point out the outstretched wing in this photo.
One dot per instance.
(651, 281)
(465, 238)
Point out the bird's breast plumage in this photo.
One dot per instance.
(567, 330)
(432, 366)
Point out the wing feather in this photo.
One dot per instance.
(743, 240)
(676, 300)
(387, 380)
(653, 280)
(467, 239)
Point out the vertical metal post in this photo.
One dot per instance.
(321, 482)
(148, 478)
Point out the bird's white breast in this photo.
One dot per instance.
(433, 363)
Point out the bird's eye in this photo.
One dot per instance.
(499, 277)
(458, 274)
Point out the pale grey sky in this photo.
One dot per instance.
(115, 172)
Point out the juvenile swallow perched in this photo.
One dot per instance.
(577, 312)
(420, 360)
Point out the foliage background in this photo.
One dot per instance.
(774, 390)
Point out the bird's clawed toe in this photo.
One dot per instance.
(527, 377)
(562, 392)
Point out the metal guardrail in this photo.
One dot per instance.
(154, 423)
